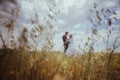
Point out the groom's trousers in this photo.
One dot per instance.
(65, 47)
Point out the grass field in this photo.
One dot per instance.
(23, 65)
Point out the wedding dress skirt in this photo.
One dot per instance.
(70, 49)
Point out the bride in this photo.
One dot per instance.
(70, 49)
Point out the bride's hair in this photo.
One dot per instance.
(70, 35)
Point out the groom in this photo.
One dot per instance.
(64, 37)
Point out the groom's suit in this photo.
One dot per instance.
(65, 42)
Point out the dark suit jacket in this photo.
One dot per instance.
(64, 38)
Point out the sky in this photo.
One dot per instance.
(72, 17)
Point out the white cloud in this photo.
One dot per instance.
(60, 21)
(109, 3)
(65, 4)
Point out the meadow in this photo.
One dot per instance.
(24, 65)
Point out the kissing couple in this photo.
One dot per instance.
(68, 43)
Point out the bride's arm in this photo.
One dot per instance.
(68, 41)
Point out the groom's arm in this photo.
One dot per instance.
(64, 38)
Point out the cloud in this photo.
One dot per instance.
(64, 5)
(110, 3)
(60, 22)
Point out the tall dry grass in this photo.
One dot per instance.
(21, 65)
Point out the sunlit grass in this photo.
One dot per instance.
(23, 65)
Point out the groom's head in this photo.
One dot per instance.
(66, 33)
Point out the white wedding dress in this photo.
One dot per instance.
(70, 49)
